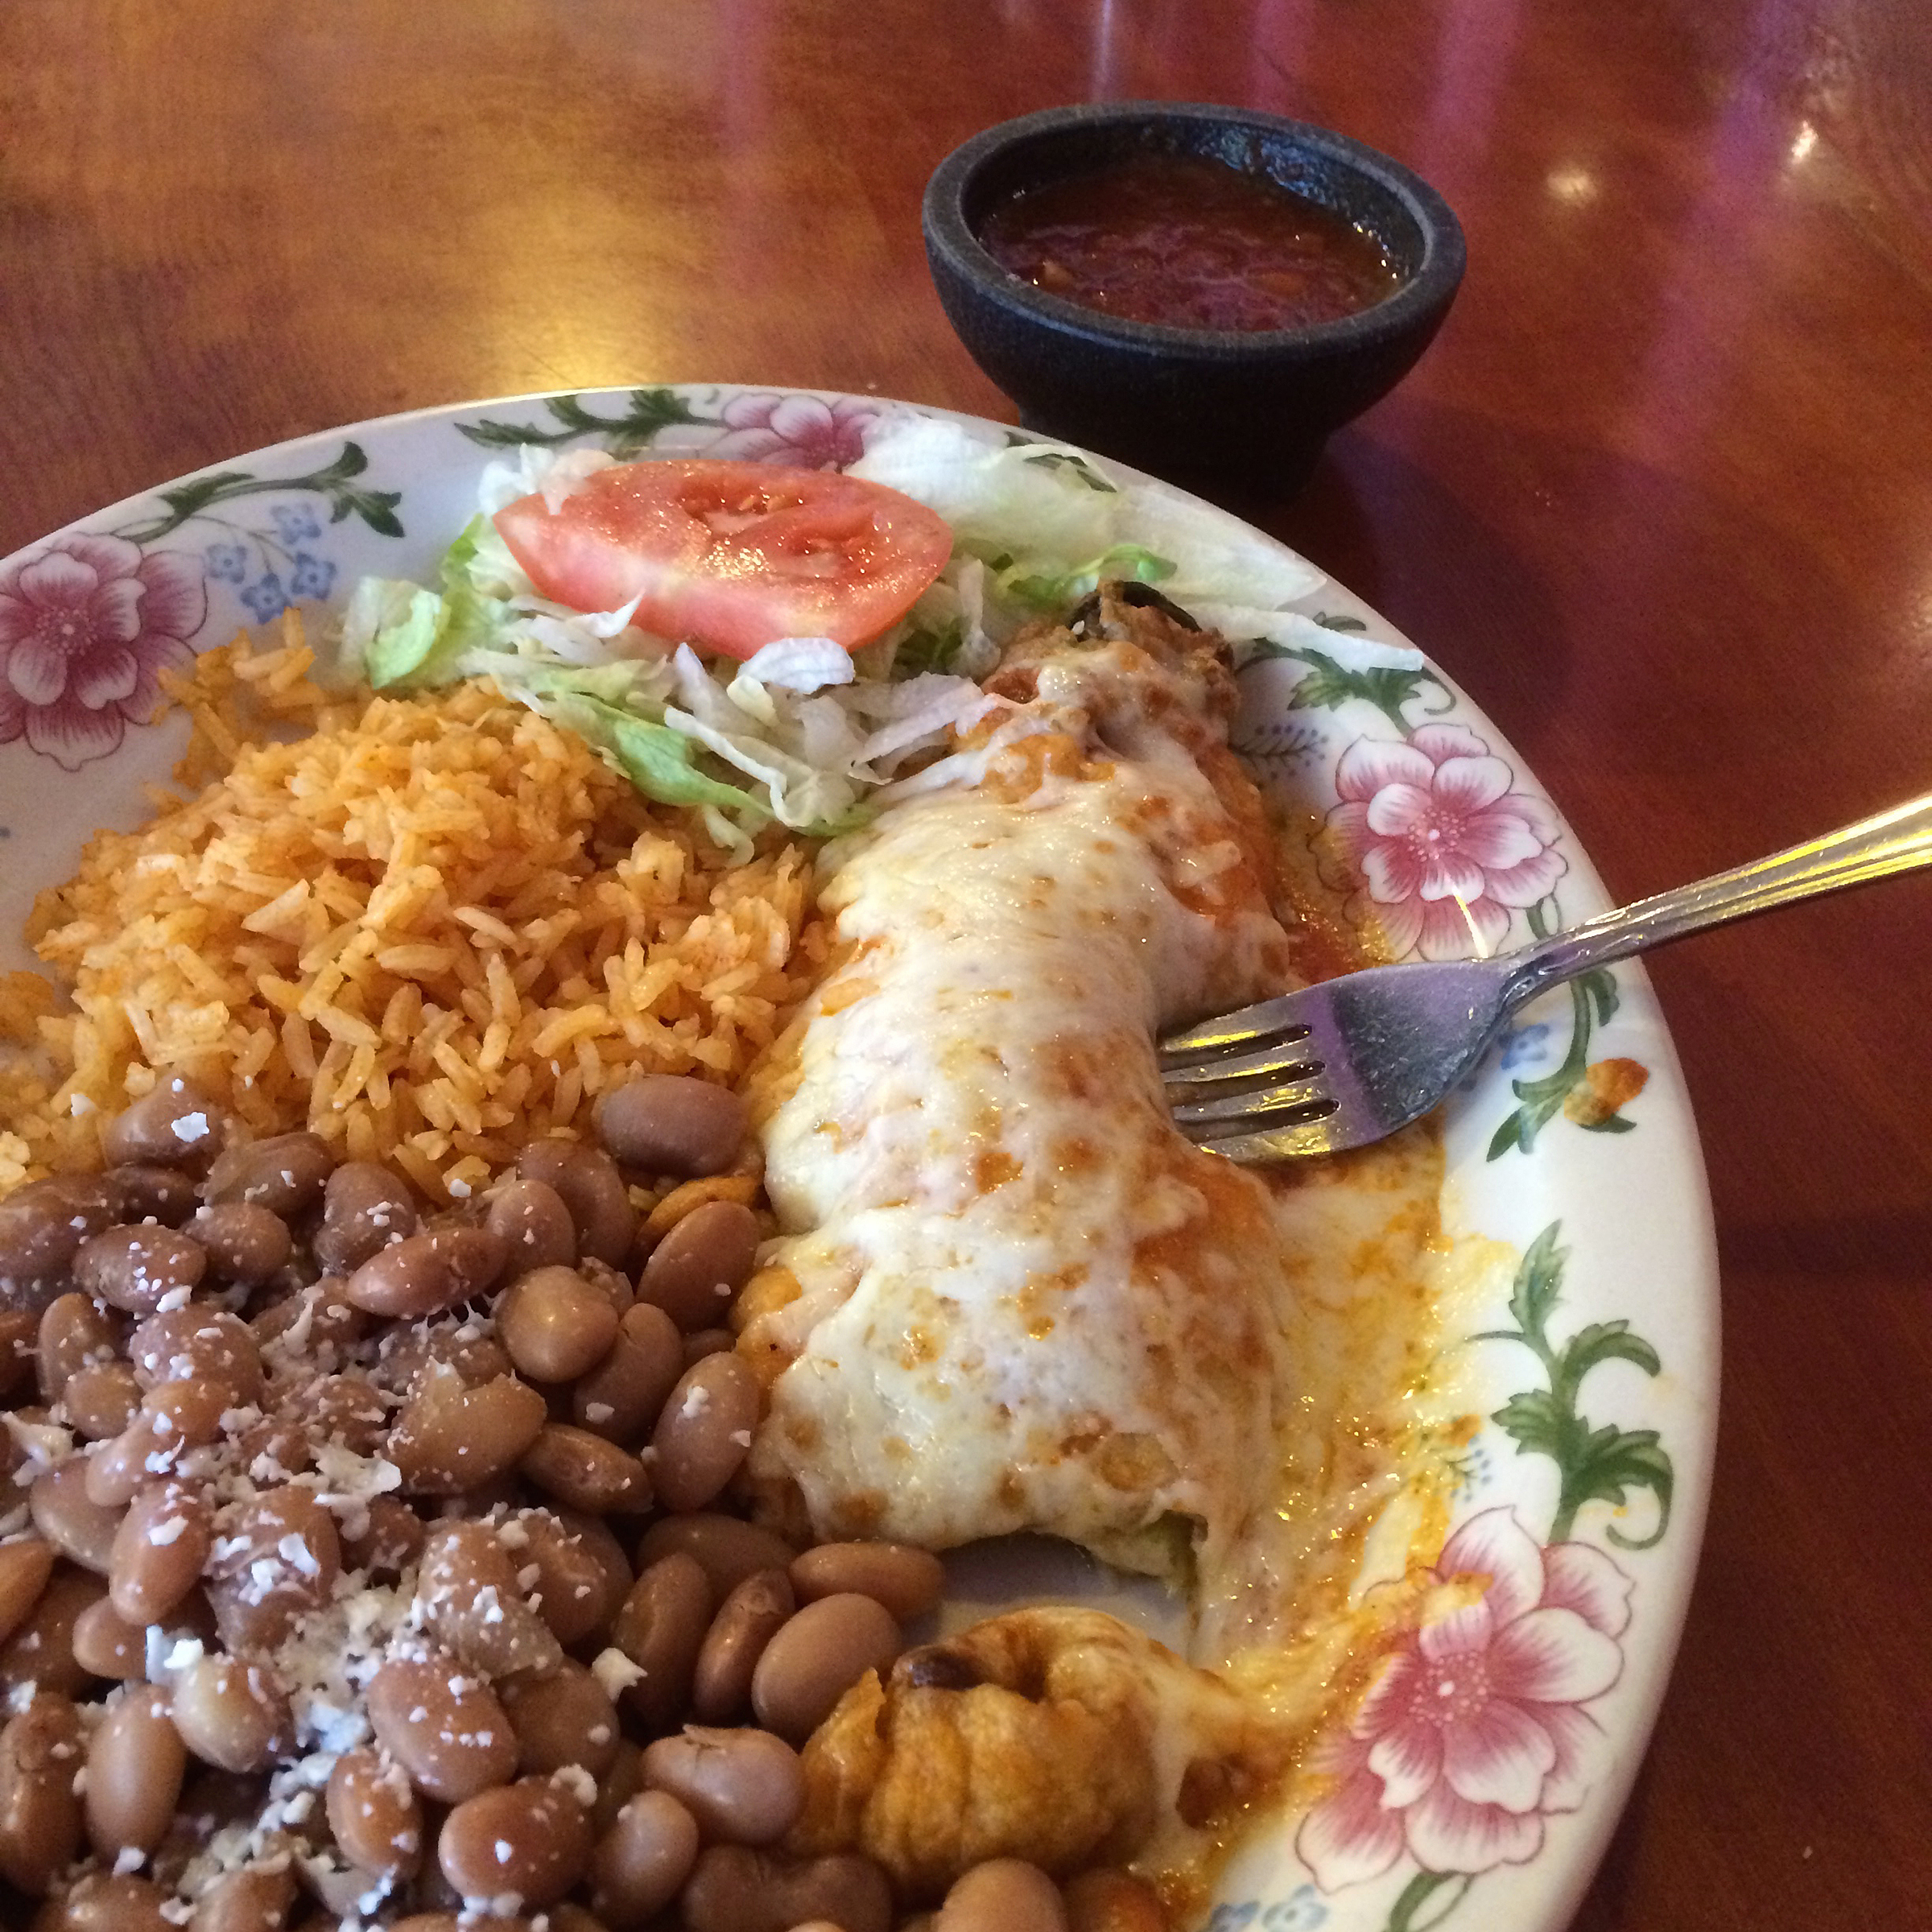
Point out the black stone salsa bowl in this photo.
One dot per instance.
(1222, 410)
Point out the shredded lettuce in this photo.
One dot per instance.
(416, 639)
(805, 733)
(1038, 504)
(656, 758)
(1054, 592)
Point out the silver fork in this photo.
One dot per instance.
(1353, 1060)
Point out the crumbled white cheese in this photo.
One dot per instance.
(615, 1671)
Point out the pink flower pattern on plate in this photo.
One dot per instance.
(805, 431)
(85, 626)
(1475, 1729)
(1440, 843)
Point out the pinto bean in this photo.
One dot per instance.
(624, 1781)
(1003, 1895)
(445, 1726)
(25, 1566)
(40, 1814)
(588, 1181)
(556, 1325)
(375, 1815)
(139, 1269)
(535, 1222)
(642, 1861)
(734, 1888)
(256, 1899)
(81, 1529)
(244, 1241)
(150, 1192)
(393, 1538)
(42, 1228)
(158, 1549)
(19, 1330)
(428, 1273)
(365, 1209)
(702, 1342)
(42, 1651)
(146, 1447)
(532, 1838)
(346, 1409)
(704, 1433)
(232, 1713)
(451, 1439)
(908, 1582)
(695, 1271)
(585, 1472)
(285, 1173)
(816, 1658)
(100, 1400)
(726, 1548)
(583, 1574)
(314, 1323)
(563, 1717)
(107, 1645)
(746, 1623)
(102, 1902)
(73, 1335)
(661, 1628)
(277, 1556)
(468, 1585)
(670, 1123)
(405, 1355)
(174, 1125)
(198, 1345)
(744, 1787)
(620, 1398)
(135, 1762)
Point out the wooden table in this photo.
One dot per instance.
(1661, 497)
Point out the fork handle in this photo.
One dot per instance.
(1894, 841)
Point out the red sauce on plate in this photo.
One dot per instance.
(1191, 243)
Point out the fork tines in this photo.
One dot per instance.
(1214, 1086)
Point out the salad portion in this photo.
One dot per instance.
(767, 644)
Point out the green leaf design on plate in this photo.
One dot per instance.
(1596, 1463)
(1329, 684)
(1077, 467)
(376, 508)
(1417, 1893)
(1593, 1001)
(649, 411)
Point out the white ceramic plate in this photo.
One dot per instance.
(1488, 1767)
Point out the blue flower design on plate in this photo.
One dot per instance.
(1474, 1468)
(228, 562)
(312, 576)
(1233, 1918)
(267, 599)
(1525, 1045)
(1301, 1911)
(295, 522)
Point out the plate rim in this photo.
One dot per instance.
(1558, 1878)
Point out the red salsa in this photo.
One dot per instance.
(1189, 242)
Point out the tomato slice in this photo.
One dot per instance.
(730, 555)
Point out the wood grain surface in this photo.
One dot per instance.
(1660, 497)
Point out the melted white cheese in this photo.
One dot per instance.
(1026, 1303)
